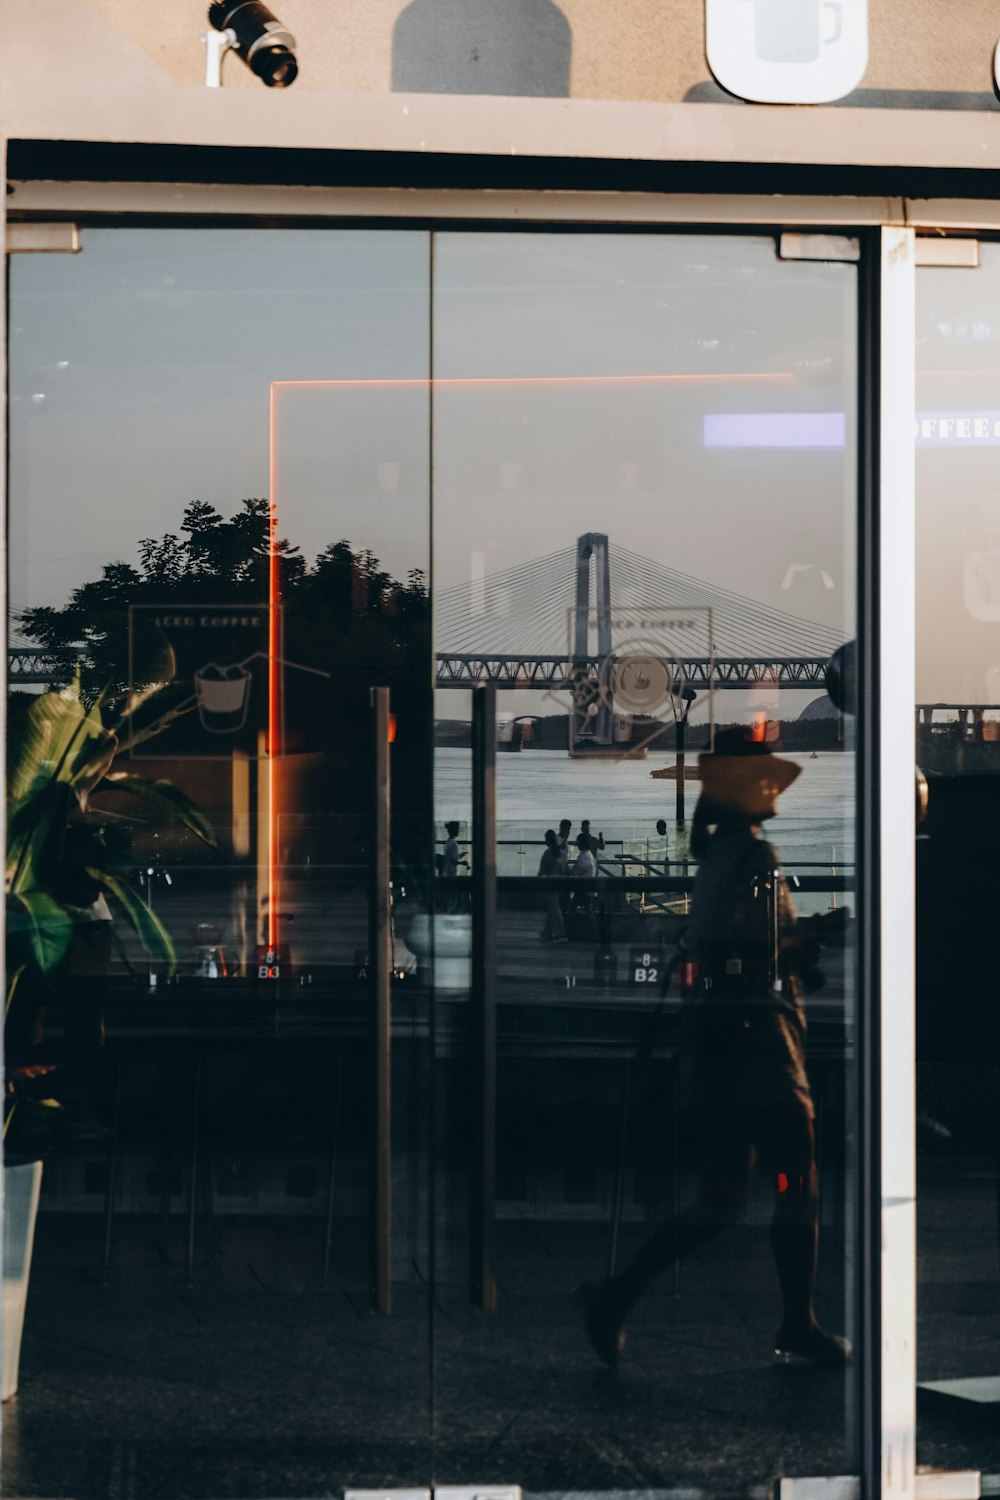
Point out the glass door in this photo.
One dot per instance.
(434, 871)
(219, 547)
(645, 556)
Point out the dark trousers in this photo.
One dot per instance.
(780, 1139)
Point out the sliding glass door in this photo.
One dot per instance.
(644, 558)
(219, 545)
(434, 861)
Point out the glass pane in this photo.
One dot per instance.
(958, 747)
(219, 543)
(644, 505)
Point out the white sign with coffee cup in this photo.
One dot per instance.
(787, 51)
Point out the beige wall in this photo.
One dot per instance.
(99, 70)
(619, 49)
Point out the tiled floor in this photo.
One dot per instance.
(255, 1382)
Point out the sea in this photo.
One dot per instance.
(813, 832)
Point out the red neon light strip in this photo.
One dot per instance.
(762, 375)
(274, 648)
(274, 704)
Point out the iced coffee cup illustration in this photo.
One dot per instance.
(223, 697)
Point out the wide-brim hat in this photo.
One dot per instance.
(743, 775)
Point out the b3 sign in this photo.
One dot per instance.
(787, 51)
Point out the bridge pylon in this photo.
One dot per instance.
(594, 711)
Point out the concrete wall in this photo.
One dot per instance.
(557, 79)
(923, 53)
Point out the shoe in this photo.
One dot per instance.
(813, 1345)
(601, 1321)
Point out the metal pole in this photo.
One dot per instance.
(680, 728)
(379, 979)
(332, 1187)
(217, 44)
(112, 1185)
(193, 1181)
(483, 1014)
(618, 1197)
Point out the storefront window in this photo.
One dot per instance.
(602, 486)
(644, 515)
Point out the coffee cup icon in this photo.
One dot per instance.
(223, 695)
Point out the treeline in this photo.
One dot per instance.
(342, 599)
(550, 732)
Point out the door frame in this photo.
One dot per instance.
(886, 293)
(887, 693)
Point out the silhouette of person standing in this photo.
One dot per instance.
(553, 863)
(596, 840)
(743, 1067)
(585, 864)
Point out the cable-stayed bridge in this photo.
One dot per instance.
(581, 619)
(580, 611)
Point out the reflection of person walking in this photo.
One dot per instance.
(552, 863)
(743, 1059)
(452, 857)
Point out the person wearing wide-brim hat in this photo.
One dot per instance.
(742, 777)
(743, 1068)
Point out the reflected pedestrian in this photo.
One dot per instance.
(452, 857)
(743, 1056)
(596, 840)
(663, 855)
(585, 864)
(563, 837)
(552, 863)
(584, 867)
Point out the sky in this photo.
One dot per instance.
(573, 374)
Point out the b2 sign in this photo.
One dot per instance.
(787, 51)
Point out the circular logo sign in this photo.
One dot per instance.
(642, 684)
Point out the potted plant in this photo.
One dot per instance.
(64, 896)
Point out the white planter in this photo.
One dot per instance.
(22, 1186)
(443, 945)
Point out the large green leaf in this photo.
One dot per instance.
(149, 929)
(43, 922)
(54, 730)
(35, 833)
(15, 973)
(168, 798)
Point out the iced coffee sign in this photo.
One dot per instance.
(199, 677)
(787, 51)
(633, 673)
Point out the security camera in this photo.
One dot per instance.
(258, 37)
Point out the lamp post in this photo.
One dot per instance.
(686, 696)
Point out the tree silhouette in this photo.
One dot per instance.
(344, 608)
(345, 617)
